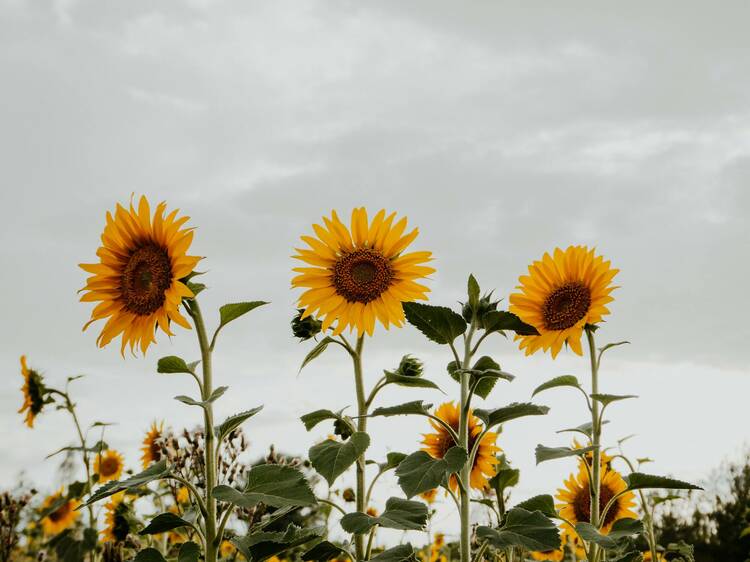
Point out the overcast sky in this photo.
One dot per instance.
(501, 130)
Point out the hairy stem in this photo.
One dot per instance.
(595, 488)
(359, 540)
(463, 435)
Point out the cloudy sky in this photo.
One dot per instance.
(501, 130)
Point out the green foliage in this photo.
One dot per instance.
(217, 393)
(323, 551)
(164, 522)
(527, 529)
(409, 380)
(640, 481)
(501, 320)
(149, 555)
(232, 311)
(314, 418)
(172, 364)
(400, 553)
(606, 399)
(543, 503)
(513, 411)
(154, 472)
(416, 407)
(563, 380)
(305, 328)
(484, 374)
(544, 454)
(271, 484)
(420, 472)
(189, 552)
(259, 546)
(438, 323)
(399, 514)
(331, 458)
(622, 529)
(235, 421)
(316, 351)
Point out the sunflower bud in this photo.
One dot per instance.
(409, 367)
(486, 304)
(348, 495)
(305, 328)
(342, 429)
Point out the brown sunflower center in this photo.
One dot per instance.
(582, 505)
(147, 276)
(362, 275)
(155, 450)
(108, 466)
(60, 513)
(566, 305)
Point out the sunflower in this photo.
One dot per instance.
(108, 465)
(575, 501)
(647, 557)
(429, 496)
(557, 554)
(227, 549)
(561, 294)
(606, 459)
(183, 495)
(137, 281)
(62, 517)
(33, 393)
(360, 275)
(438, 443)
(151, 448)
(118, 526)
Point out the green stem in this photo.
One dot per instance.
(359, 540)
(212, 538)
(463, 435)
(595, 442)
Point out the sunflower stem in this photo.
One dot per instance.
(595, 442)
(212, 538)
(463, 435)
(359, 539)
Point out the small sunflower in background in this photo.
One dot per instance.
(557, 555)
(561, 294)
(108, 465)
(437, 444)
(116, 518)
(575, 499)
(151, 449)
(359, 275)
(183, 495)
(64, 515)
(429, 496)
(227, 549)
(34, 393)
(138, 279)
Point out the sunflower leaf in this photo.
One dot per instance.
(323, 551)
(473, 291)
(527, 529)
(563, 380)
(149, 555)
(584, 428)
(189, 552)
(164, 522)
(404, 380)
(233, 422)
(606, 399)
(438, 323)
(331, 458)
(195, 287)
(314, 418)
(484, 375)
(400, 553)
(640, 481)
(232, 311)
(172, 364)
(621, 530)
(501, 320)
(611, 345)
(399, 514)
(543, 503)
(415, 407)
(156, 471)
(317, 350)
(261, 546)
(419, 472)
(544, 454)
(271, 484)
(505, 477)
(392, 460)
(512, 411)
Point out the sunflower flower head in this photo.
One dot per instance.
(227, 549)
(118, 519)
(151, 448)
(575, 500)
(108, 465)
(438, 443)
(61, 513)
(34, 393)
(139, 281)
(561, 294)
(357, 275)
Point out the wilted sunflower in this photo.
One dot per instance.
(557, 554)
(151, 448)
(360, 275)
(108, 465)
(62, 517)
(561, 294)
(118, 526)
(438, 443)
(137, 281)
(33, 393)
(575, 501)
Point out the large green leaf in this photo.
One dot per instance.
(439, 323)
(316, 351)
(621, 529)
(261, 546)
(149, 555)
(420, 472)
(400, 553)
(399, 514)
(189, 552)
(415, 407)
(563, 380)
(501, 320)
(232, 311)
(393, 459)
(544, 503)
(527, 529)
(172, 364)
(154, 472)
(323, 551)
(513, 411)
(484, 374)
(331, 458)
(164, 522)
(544, 454)
(640, 481)
(271, 484)
(505, 477)
(234, 421)
(404, 380)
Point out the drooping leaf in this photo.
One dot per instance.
(316, 351)
(400, 553)
(154, 472)
(189, 552)
(323, 551)
(563, 380)
(544, 503)
(234, 421)
(149, 555)
(419, 472)
(584, 429)
(95, 448)
(513, 411)
(232, 311)
(164, 522)
(611, 345)
(314, 418)
(621, 529)
(484, 374)
(172, 364)
(271, 484)
(527, 529)
(263, 545)
(606, 399)
(404, 380)
(438, 323)
(400, 514)
(544, 454)
(640, 481)
(331, 458)
(501, 320)
(415, 407)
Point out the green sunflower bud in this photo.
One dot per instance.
(409, 367)
(305, 328)
(342, 429)
(486, 304)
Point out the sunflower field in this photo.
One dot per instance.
(194, 495)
